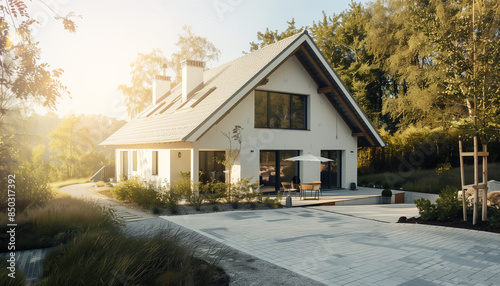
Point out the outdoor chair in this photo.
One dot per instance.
(318, 183)
(287, 187)
(309, 187)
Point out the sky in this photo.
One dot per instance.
(110, 34)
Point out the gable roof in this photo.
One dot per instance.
(171, 120)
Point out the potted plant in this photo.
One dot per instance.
(386, 196)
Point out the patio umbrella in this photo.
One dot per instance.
(309, 158)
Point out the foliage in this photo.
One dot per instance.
(139, 191)
(270, 37)
(19, 280)
(426, 209)
(213, 191)
(273, 203)
(193, 47)
(69, 146)
(494, 215)
(448, 205)
(31, 182)
(57, 221)
(139, 94)
(386, 193)
(231, 156)
(111, 258)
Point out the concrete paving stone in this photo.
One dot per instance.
(364, 247)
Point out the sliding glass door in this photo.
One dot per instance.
(274, 169)
(330, 171)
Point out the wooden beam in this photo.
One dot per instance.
(462, 175)
(325, 89)
(479, 154)
(336, 93)
(476, 182)
(358, 134)
(485, 182)
(263, 82)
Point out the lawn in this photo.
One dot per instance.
(426, 180)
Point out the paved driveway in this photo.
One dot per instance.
(355, 246)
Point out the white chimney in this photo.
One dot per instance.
(161, 85)
(192, 76)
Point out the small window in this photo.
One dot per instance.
(134, 161)
(155, 163)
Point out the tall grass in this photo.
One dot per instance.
(58, 220)
(427, 180)
(19, 280)
(110, 258)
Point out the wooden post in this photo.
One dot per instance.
(464, 201)
(485, 183)
(476, 183)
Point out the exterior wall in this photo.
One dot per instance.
(182, 164)
(326, 129)
(169, 163)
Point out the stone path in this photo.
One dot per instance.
(354, 249)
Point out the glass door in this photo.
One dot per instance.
(330, 171)
(274, 169)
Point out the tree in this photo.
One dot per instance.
(193, 47)
(190, 46)
(139, 94)
(24, 81)
(343, 40)
(69, 145)
(442, 60)
(271, 37)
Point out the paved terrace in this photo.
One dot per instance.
(361, 196)
(356, 245)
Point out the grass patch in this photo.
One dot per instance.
(19, 280)
(57, 221)
(106, 193)
(60, 184)
(110, 258)
(426, 180)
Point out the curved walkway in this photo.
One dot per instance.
(356, 245)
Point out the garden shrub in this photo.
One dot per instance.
(448, 205)
(426, 209)
(139, 191)
(386, 193)
(213, 191)
(494, 215)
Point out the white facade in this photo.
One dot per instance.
(326, 130)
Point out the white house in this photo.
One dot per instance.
(286, 97)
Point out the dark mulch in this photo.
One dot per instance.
(457, 222)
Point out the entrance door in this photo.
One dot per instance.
(274, 169)
(330, 171)
(124, 161)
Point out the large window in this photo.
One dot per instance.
(280, 110)
(211, 166)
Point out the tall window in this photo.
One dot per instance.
(280, 110)
(210, 166)
(155, 163)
